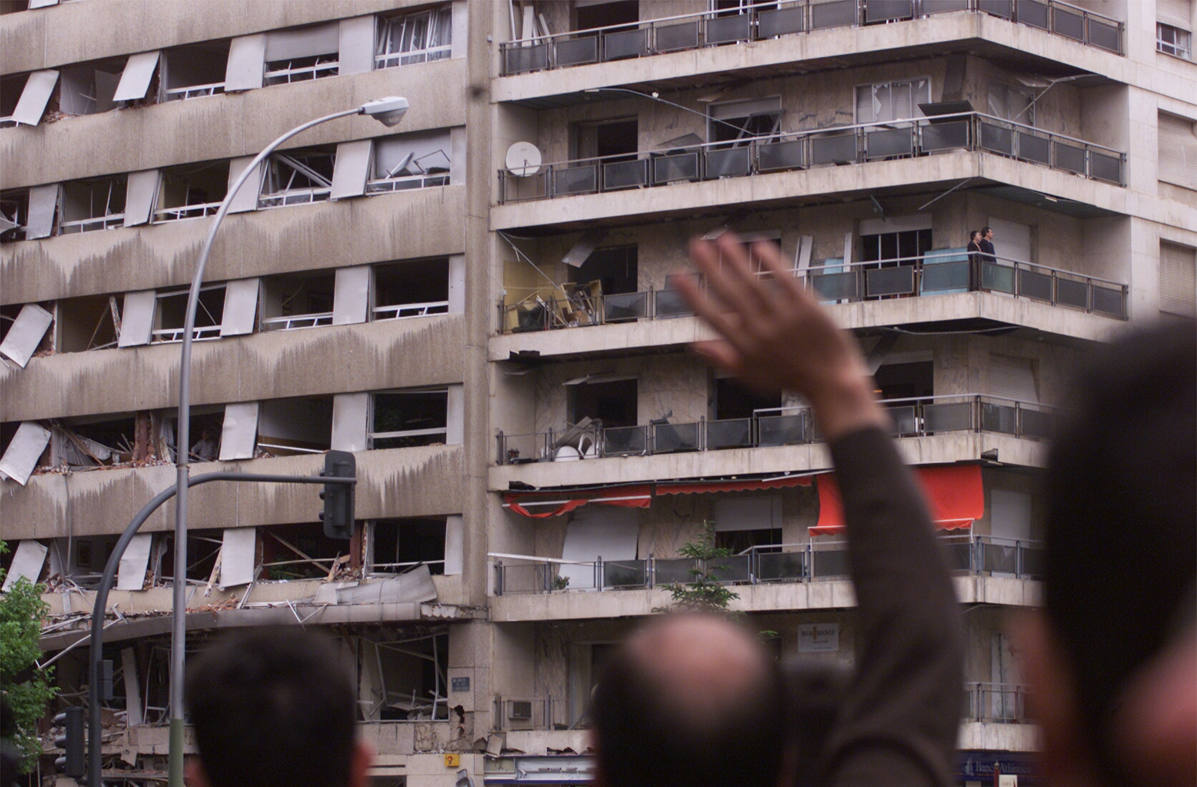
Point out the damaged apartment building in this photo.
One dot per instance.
(478, 303)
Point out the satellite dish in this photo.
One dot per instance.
(523, 159)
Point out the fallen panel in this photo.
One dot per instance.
(26, 333)
(355, 51)
(239, 434)
(43, 204)
(247, 63)
(350, 413)
(238, 554)
(32, 104)
(581, 251)
(135, 79)
(240, 307)
(415, 586)
(26, 563)
(141, 193)
(351, 167)
(137, 318)
(351, 295)
(246, 198)
(131, 573)
(23, 452)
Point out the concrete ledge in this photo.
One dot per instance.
(998, 737)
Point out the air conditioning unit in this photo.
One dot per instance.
(519, 710)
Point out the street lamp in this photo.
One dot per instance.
(388, 111)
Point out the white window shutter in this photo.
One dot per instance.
(32, 104)
(247, 63)
(355, 52)
(131, 573)
(137, 318)
(25, 334)
(23, 451)
(350, 169)
(350, 414)
(351, 295)
(135, 79)
(240, 307)
(43, 205)
(238, 554)
(27, 563)
(247, 196)
(141, 193)
(239, 434)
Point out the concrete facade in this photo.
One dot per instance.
(455, 322)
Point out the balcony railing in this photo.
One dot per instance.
(854, 144)
(798, 562)
(1003, 703)
(914, 417)
(200, 333)
(767, 20)
(193, 91)
(198, 210)
(290, 322)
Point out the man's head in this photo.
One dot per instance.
(689, 700)
(1121, 546)
(273, 706)
(987, 232)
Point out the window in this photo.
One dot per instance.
(298, 176)
(298, 551)
(614, 268)
(402, 419)
(618, 139)
(190, 191)
(612, 402)
(399, 544)
(89, 88)
(899, 237)
(410, 161)
(733, 400)
(898, 100)
(14, 214)
(11, 87)
(414, 38)
(94, 204)
(1011, 103)
(301, 53)
(170, 313)
(193, 71)
(904, 380)
(297, 300)
(1177, 150)
(410, 289)
(1178, 279)
(88, 323)
(734, 120)
(1173, 40)
(590, 15)
(745, 521)
(295, 426)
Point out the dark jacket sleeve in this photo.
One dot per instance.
(898, 722)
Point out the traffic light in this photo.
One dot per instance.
(338, 498)
(70, 741)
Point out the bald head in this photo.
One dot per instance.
(689, 700)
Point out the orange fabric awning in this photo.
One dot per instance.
(954, 494)
(563, 502)
(742, 485)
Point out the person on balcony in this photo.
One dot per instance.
(988, 252)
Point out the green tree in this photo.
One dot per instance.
(703, 593)
(26, 687)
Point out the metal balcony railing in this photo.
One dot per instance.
(766, 20)
(855, 144)
(1003, 703)
(914, 417)
(797, 562)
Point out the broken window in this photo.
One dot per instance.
(93, 442)
(412, 288)
(402, 419)
(171, 311)
(26, 563)
(300, 551)
(612, 402)
(88, 88)
(737, 120)
(733, 400)
(11, 87)
(14, 214)
(410, 161)
(301, 425)
(617, 139)
(205, 432)
(94, 204)
(402, 678)
(194, 70)
(1011, 103)
(298, 176)
(898, 100)
(301, 53)
(904, 380)
(189, 191)
(12, 6)
(297, 300)
(1173, 40)
(414, 37)
(88, 323)
(203, 547)
(613, 267)
(397, 545)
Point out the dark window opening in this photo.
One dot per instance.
(202, 548)
(615, 268)
(14, 209)
(12, 6)
(412, 678)
(192, 190)
(409, 288)
(195, 70)
(400, 544)
(93, 442)
(89, 555)
(171, 314)
(93, 204)
(11, 87)
(88, 88)
(8, 315)
(734, 128)
(403, 419)
(612, 403)
(88, 323)
(281, 546)
(733, 400)
(617, 13)
(904, 380)
(906, 245)
(739, 540)
(618, 139)
(302, 425)
(298, 300)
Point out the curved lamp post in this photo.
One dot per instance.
(388, 111)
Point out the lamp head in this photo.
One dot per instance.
(388, 111)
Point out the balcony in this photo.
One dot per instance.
(807, 561)
(1000, 703)
(854, 144)
(773, 19)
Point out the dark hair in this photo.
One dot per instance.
(648, 735)
(985, 230)
(272, 706)
(1121, 545)
(974, 233)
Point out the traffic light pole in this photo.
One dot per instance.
(94, 734)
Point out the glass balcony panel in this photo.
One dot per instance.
(829, 563)
(997, 277)
(780, 22)
(780, 155)
(999, 559)
(887, 10)
(898, 280)
(998, 418)
(1104, 35)
(905, 419)
(619, 44)
(1104, 166)
(1034, 13)
(670, 303)
(834, 13)
(1038, 424)
(1069, 23)
(673, 37)
(729, 433)
(624, 306)
(890, 142)
(675, 166)
(943, 6)
(958, 552)
(625, 573)
(781, 566)
(783, 429)
(1070, 292)
(998, 139)
(948, 417)
(727, 162)
(1034, 285)
(671, 438)
(674, 570)
(945, 276)
(624, 174)
(726, 29)
(833, 148)
(1032, 561)
(730, 569)
(1002, 8)
(576, 180)
(1108, 300)
(525, 58)
(1069, 157)
(575, 51)
(1034, 148)
(835, 286)
(624, 441)
(944, 135)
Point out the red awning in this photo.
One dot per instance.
(954, 493)
(560, 502)
(739, 485)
